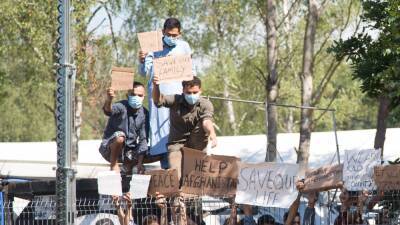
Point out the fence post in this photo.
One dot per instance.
(65, 174)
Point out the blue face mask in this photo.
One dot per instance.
(135, 101)
(170, 41)
(192, 98)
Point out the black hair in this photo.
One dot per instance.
(285, 216)
(191, 83)
(172, 23)
(265, 219)
(136, 83)
(105, 221)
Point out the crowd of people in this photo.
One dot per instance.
(179, 117)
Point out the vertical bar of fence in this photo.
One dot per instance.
(65, 176)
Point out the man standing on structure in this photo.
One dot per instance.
(191, 119)
(159, 118)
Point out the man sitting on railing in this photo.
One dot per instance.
(125, 137)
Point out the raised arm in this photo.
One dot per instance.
(156, 90)
(295, 205)
(107, 104)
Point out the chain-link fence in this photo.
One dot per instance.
(349, 208)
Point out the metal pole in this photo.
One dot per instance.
(336, 138)
(65, 174)
(337, 155)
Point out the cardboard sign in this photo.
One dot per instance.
(214, 175)
(151, 41)
(173, 68)
(165, 182)
(358, 169)
(121, 78)
(139, 186)
(267, 184)
(387, 178)
(323, 178)
(109, 183)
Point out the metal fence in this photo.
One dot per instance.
(40, 210)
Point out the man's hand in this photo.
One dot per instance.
(156, 80)
(142, 56)
(213, 139)
(300, 185)
(140, 168)
(161, 202)
(110, 94)
(127, 198)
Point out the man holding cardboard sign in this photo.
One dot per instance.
(191, 120)
(173, 45)
(125, 137)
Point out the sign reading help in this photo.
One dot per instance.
(267, 184)
(213, 175)
(323, 178)
(165, 182)
(358, 169)
(387, 178)
(151, 41)
(121, 78)
(173, 68)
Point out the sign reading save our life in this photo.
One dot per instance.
(173, 68)
(267, 184)
(214, 175)
(358, 169)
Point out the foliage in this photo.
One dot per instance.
(228, 41)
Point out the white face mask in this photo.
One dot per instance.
(192, 98)
(135, 101)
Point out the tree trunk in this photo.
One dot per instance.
(307, 86)
(229, 108)
(272, 82)
(383, 113)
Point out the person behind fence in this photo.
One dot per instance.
(159, 117)
(125, 136)
(191, 119)
(248, 218)
(125, 216)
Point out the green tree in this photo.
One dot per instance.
(375, 61)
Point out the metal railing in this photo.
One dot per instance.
(41, 210)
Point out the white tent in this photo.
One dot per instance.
(38, 159)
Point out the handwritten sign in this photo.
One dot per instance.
(387, 178)
(323, 178)
(121, 78)
(173, 68)
(267, 184)
(151, 41)
(214, 175)
(109, 183)
(165, 182)
(358, 169)
(139, 186)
